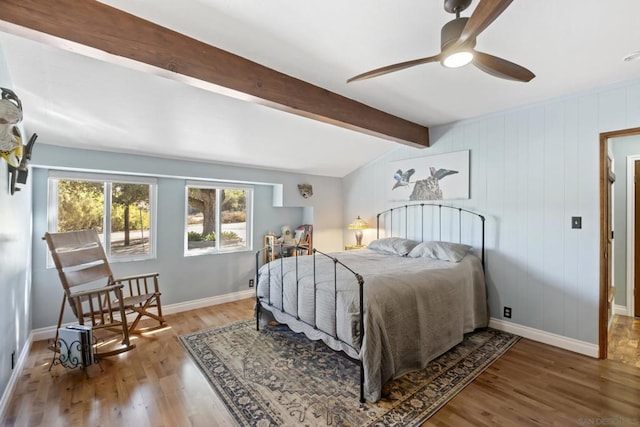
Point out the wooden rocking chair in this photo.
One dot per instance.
(91, 291)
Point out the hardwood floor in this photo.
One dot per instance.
(624, 340)
(157, 384)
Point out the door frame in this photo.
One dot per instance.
(603, 330)
(631, 231)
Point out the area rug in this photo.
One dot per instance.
(275, 377)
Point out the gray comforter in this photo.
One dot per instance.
(415, 308)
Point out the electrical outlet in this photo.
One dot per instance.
(507, 312)
(251, 283)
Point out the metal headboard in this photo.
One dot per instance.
(401, 214)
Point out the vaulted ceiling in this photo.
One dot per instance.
(80, 97)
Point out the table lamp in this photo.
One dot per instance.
(359, 224)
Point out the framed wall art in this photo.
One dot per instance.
(439, 177)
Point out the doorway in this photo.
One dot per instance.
(606, 175)
(636, 245)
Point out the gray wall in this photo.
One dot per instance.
(622, 147)
(15, 262)
(183, 278)
(532, 169)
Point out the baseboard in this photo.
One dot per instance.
(13, 380)
(621, 310)
(207, 302)
(49, 332)
(555, 340)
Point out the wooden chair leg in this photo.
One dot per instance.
(159, 306)
(123, 318)
(132, 328)
(144, 311)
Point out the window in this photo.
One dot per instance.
(218, 218)
(121, 208)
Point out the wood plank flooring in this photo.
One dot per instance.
(157, 384)
(624, 340)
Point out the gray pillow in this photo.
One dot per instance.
(393, 245)
(445, 251)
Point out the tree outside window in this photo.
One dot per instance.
(126, 207)
(218, 219)
(128, 200)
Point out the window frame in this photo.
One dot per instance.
(219, 185)
(108, 180)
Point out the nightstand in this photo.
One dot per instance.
(349, 247)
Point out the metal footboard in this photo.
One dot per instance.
(336, 264)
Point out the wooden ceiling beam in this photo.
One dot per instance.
(100, 31)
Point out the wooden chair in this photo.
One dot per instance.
(91, 291)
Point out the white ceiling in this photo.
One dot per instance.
(73, 100)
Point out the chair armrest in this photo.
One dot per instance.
(140, 284)
(98, 307)
(140, 276)
(102, 290)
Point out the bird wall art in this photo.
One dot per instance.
(402, 178)
(439, 177)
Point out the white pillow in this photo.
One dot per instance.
(445, 251)
(393, 245)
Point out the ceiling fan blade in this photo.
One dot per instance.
(484, 14)
(395, 67)
(502, 68)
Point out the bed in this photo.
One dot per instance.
(394, 306)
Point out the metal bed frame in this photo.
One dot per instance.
(398, 211)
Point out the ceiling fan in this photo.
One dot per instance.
(457, 43)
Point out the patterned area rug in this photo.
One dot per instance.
(276, 377)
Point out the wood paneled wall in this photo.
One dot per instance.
(532, 169)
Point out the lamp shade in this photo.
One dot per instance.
(358, 224)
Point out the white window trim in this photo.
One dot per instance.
(100, 177)
(108, 179)
(219, 185)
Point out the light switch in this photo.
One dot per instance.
(576, 222)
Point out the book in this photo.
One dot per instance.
(70, 343)
(300, 236)
(76, 346)
(87, 343)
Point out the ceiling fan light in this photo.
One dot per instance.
(457, 59)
